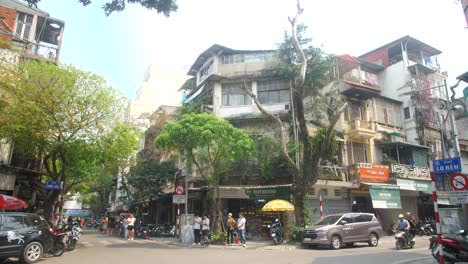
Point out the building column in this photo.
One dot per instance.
(371, 149)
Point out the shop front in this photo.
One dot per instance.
(249, 200)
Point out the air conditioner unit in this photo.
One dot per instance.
(286, 107)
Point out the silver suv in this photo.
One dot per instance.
(339, 229)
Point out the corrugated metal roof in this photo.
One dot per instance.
(23, 7)
(411, 43)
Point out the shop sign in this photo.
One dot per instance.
(406, 171)
(7, 182)
(178, 199)
(279, 192)
(385, 197)
(374, 172)
(414, 185)
(455, 197)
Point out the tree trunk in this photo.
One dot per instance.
(298, 196)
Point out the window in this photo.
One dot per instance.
(233, 95)
(388, 112)
(311, 191)
(337, 193)
(206, 70)
(273, 91)
(363, 218)
(348, 218)
(357, 152)
(407, 113)
(12, 222)
(232, 59)
(33, 221)
(23, 25)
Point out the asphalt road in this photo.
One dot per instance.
(97, 248)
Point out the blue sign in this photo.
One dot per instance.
(447, 165)
(52, 185)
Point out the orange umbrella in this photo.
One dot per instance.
(12, 203)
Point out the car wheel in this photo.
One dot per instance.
(373, 240)
(32, 252)
(336, 242)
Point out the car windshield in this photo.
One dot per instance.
(329, 220)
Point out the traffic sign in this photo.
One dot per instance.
(179, 189)
(459, 182)
(178, 199)
(52, 185)
(447, 165)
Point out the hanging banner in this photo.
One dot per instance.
(414, 185)
(387, 197)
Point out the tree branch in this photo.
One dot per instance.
(277, 120)
(297, 45)
(192, 157)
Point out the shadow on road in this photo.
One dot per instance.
(400, 257)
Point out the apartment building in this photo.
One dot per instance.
(26, 33)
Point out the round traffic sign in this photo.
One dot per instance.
(179, 189)
(459, 182)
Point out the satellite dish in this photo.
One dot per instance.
(440, 106)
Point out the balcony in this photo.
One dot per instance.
(357, 77)
(336, 176)
(41, 51)
(361, 129)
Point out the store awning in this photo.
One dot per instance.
(385, 196)
(78, 212)
(415, 185)
(256, 192)
(402, 144)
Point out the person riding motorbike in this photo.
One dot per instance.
(404, 225)
(412, 223)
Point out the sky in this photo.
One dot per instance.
(122, 46)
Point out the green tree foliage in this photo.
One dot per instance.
(148, 178)
(211, 144)
(59, 114)
(165, 7)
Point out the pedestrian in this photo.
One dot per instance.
(241, 227)
(131, 227)
(197, 221)
(231, 229)
(124, 225)
(412, 223)
(205, 230)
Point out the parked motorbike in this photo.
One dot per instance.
(275, 232)
(404, 240)
(420, 228)
(455, 248)
(73, 235)
(59, 245)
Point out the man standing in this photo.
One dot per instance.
(241, 226)
(231, 228)
(205, 230)
(196, 229)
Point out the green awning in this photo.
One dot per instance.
(415, 185)
(385, 196)
(402, 144)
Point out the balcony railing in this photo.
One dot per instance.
(361, 124)
(336, 173)
(361, 129)
(348, 70)
(36, 51)
(411, 172)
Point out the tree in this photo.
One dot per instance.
(211, 144)
(308, 70)
(148, 178)
(161, 6)
(58, 114)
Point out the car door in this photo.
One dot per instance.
(12, 234)
(348, 228)
(362, 226)
(3, 239)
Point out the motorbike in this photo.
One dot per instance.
(59, 245)
(275, 232)
(403, 239)
(73, 235)
(455, 248)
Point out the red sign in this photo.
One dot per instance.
(374, 172)
(459, 182)
(179, 189)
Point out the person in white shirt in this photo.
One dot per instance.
(205, 230)
(131, 227)
(196, 229)
(241, 227)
